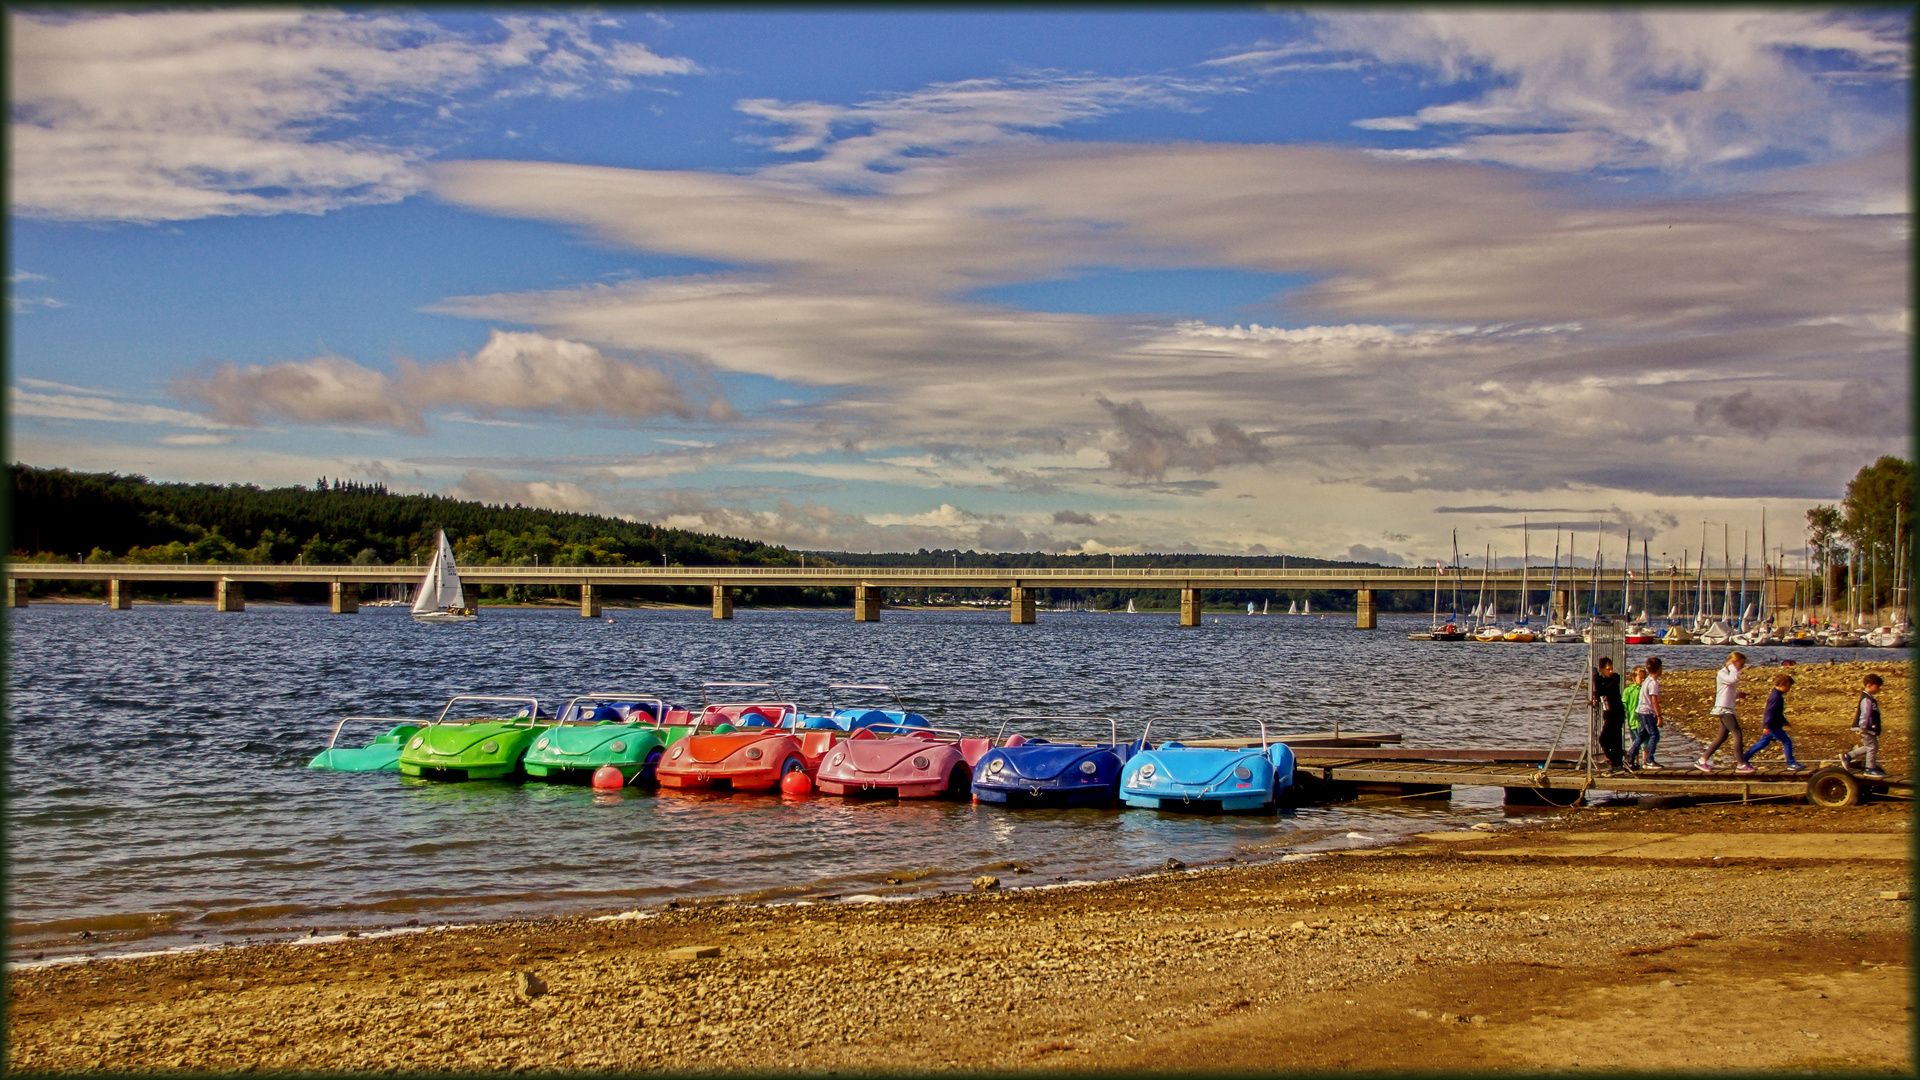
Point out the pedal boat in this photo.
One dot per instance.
(1209, 778)
(761, 748)
(474, 748)
(1023, 771)
(380, 755)
(857, 717)
(627, 731)
(902, 762)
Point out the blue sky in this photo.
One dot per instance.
(1331, 284)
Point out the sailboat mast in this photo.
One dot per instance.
(1593, 605)
(1526, 556)
(1553, 579)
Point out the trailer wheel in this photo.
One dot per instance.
(1833, 787)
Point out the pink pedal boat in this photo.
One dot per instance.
(901, 761)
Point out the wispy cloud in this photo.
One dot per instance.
(78, 404)
(1691, 91)
(174, 115)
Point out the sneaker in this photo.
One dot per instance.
(1652, 764)
(1794, 766)
(1877, 774)
(1703, 765)
(1744, 767)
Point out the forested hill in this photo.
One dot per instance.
(59, 514)
(104, 515)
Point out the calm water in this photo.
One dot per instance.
(158, 791)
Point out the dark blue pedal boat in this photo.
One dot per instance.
(1024, 770)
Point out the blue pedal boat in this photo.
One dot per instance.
(380, 755)
(1210, 775)
(856, 717)
(1022, 770)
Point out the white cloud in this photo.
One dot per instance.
(1683, 90)
(513, 372)
(196, 440)
(26, 305)
(173, 115)
(19, 276)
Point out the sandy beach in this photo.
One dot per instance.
(1683, 937)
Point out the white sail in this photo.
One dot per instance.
(1264, 604)
(1293, 608)
(1306, 606)
(440, 589)
(1249, 607)
(1130, 610)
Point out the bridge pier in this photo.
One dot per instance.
(346, 598)
(1020, 600)
(1563, 606)
(119, 594)
(470, 597)
(16, 592)
(1366, 612)
(723, 601)
(228, 596)
(866, 603)
(589, 600)
(1189, 607)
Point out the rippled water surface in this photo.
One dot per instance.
(158, 789)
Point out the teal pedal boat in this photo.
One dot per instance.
(380, 755)
(627, 731)
(1207, 773)
(458, 745)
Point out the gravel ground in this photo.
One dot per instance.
(1417, 957)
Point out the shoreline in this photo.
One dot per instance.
(1471, 948)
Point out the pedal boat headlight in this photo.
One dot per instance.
(1089, 768)
(996, 765)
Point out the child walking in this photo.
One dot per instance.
(1646, 714)
(1726, 691)
(1867, 722)
(1774, 721)
(1630, 698)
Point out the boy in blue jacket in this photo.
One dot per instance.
(1774, 721)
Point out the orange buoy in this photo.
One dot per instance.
(796, 783)
(606, 776)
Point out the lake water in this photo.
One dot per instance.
(159, 796)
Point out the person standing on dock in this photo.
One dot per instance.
(1774, 723)
(1726, 692)
(1646, 716)
(1867, 722)
(1606, 694)
(1630, 700)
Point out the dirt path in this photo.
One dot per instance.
(1549, 946)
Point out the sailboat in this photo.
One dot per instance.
(1249, 607)
(439, 598)
(1130, 609)
(1306, 606)
(1264, 604)
(1522, 630)
(1293, 608)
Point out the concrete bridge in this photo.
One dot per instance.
(1021, 584)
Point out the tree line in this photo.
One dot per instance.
(1866, 541)
(59, 515)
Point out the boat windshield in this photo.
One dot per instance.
(706, 689)
(1046, 726)
(386, 722)
(749, 714)
(514, 711)
(1206, 732)
(612, 708)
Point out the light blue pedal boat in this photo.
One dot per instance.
(1210, 775)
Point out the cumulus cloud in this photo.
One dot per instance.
(174, 115)
(1684, 90)
(513, 372)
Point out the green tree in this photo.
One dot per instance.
(1877, 495)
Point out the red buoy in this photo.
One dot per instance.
(796, 783)
(606, 777)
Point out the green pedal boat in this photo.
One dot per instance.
(457, 745)
(380, 755)
(624, 730)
